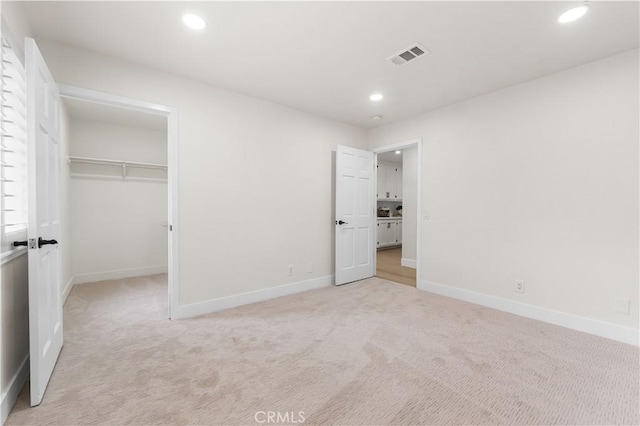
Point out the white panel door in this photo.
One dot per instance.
(382, 233)
(382, 180)
(45, 300)
(391, 236)
(355, 214)
(390, 189)
(385, 233)
(394, 233)
(383, 188)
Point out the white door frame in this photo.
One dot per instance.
(393, 147)
(171, 113)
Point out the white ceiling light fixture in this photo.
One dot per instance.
(376, 117)
(376, 97)
(573, 14)
(193, 21)
(398, 152)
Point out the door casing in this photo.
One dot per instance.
(393, 147)
(74, 92)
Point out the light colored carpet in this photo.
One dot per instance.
(371, 352)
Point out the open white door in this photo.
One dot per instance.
(43, 150)
(355, 214)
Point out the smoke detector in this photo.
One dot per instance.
(409, 54)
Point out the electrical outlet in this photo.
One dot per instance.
(290, 270)
(520, 286)
(622, 305)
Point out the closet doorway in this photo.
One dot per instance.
(120, 205)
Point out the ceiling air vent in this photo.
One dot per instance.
(409, 54)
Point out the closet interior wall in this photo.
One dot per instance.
(118, 224)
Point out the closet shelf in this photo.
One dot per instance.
(101, 161)
(119, 163)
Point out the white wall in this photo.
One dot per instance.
(536, 182)
(409, 204)
(13, 14)
(116, 224)
(15, 328)
(243, 162)
(93, 138)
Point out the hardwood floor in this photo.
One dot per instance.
(389, 268)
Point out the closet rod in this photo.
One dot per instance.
(88, 160)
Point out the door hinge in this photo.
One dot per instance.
(170, 227)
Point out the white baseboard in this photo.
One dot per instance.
(119, 274)
(67, 290)
(214, 305)
(574, 322)
(408, 263)
(13, 390)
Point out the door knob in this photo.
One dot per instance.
(340, 222)
(42, 242)
(19, 243)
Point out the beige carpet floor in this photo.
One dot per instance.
(371, 352)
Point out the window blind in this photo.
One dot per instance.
(13, 148)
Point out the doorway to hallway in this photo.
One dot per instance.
(396, 202)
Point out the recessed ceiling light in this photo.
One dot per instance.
(376, 97)
(376, 117)
(573, 14)
(398, 152)
(194, 21)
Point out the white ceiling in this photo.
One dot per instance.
(84, 110)
(327, 57)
